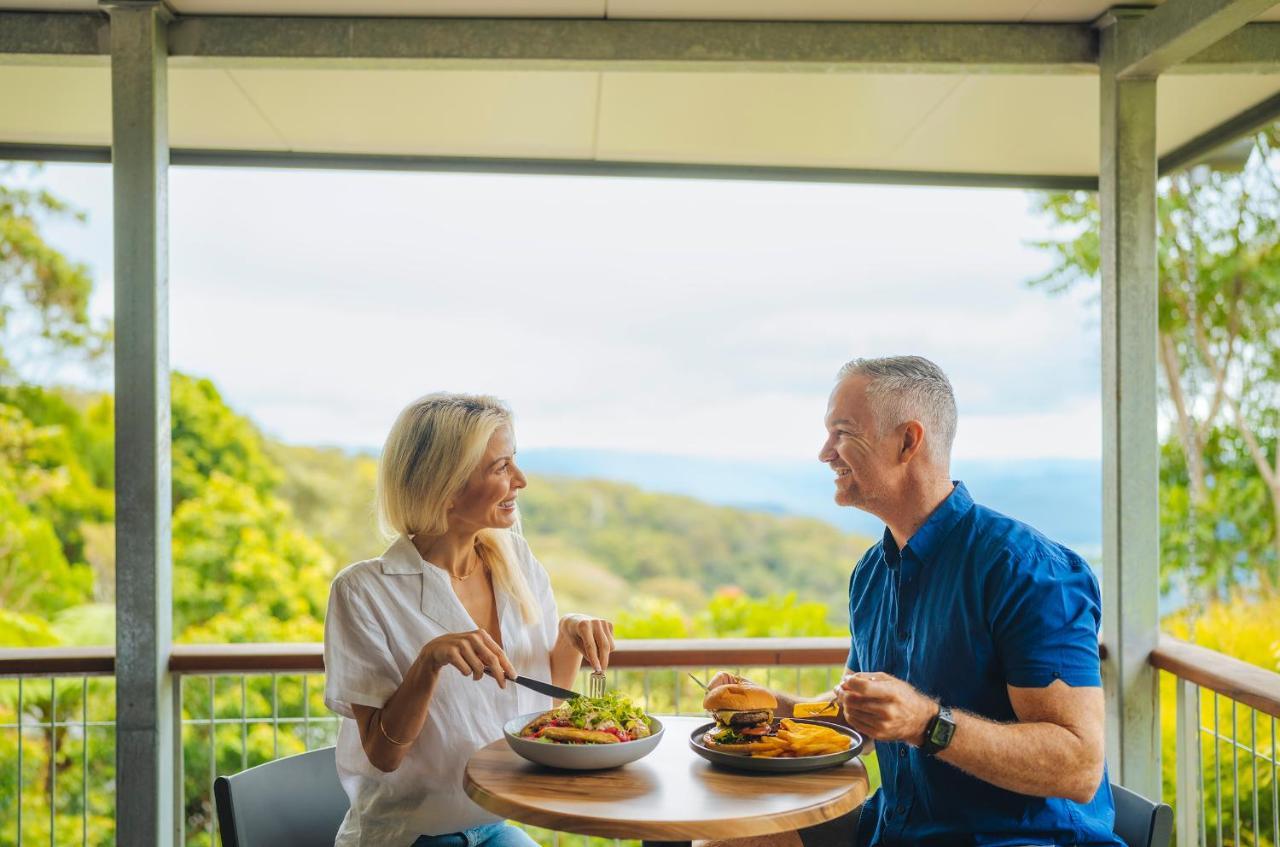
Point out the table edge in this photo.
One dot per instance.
(744, 827)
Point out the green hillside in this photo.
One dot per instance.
(260, 527)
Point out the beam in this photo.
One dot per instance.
(1130, 442)
(559, 167)
(554, 44)
(145, 730)
(1179, 29)
(1253, 49)
(1245, 123)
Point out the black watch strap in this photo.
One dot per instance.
(937, 735)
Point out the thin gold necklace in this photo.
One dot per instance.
(471, 572)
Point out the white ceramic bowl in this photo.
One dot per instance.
(579, 757)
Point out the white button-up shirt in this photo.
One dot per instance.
(381, 612)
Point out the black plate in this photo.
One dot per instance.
(796, 765)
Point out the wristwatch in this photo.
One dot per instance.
(937, 735)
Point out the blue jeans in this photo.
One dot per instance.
(498, 834)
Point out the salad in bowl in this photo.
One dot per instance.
(585, 733)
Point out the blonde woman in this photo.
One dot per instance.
(409, 636)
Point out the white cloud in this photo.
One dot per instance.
(688, 317)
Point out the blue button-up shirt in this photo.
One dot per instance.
(973, 603)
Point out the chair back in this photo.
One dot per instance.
(296, 801)
(1140, 822)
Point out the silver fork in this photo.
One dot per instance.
(596, 684)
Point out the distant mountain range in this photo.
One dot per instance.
(1062, 498)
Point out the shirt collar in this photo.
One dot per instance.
(927, 542)
(402, 558)
(438, 601)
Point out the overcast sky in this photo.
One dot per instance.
(689, 317)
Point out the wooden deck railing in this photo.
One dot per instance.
(309, 658)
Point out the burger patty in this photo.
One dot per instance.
(744, 719)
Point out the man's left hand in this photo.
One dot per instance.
(885, 708)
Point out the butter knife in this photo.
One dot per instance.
(542, 687)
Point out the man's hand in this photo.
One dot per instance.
(885, 708)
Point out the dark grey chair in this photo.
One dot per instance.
(296, 801)
(1140, 822)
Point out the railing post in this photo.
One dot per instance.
(1188, 798)
(1130, 441)
(144, 611)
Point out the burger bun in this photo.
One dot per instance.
(739, 698)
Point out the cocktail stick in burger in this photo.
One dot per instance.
(744, 716)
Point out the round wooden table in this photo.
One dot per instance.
(671, 795)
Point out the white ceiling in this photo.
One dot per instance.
(979, 124)
(944, 122)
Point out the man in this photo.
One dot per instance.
(974, 651)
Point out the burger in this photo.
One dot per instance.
(744, 716)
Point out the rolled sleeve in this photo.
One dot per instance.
(1045, 615)
(357, 659)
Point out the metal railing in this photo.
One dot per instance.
(240, 705)
(1224, 745)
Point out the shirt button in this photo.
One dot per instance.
(901, 810)
(902, 752)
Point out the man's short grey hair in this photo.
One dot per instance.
(906, 388)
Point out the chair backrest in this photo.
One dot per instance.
(296, 801)
(1140, 822)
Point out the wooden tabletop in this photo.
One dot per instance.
(670, 795)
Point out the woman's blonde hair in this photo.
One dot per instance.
(433, 447)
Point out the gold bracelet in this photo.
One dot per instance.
(386, 735)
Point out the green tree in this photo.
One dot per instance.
(44, 297)
(1218, 256)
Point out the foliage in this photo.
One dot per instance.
(1218, 261)
(1247, 628)
(44, 297)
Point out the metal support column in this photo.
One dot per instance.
(140, 160)
(1130, 447)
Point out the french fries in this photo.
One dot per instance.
(802, 739)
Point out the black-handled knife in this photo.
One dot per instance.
(542, 687)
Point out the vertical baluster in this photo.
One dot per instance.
(797, 689)
(53, 758)
(1235, 778)
(85, 761)
(1217, 766)
(275, 716)
(20, 706)
(1253, 748)
(1189, 800)
(677, 681)
(1275, 791)
(306, 712)
(644, 682)
(179, 767)
(244, 724)
(213, 766)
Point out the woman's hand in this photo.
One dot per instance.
(726, 678)
(592, 637)
(471, 653)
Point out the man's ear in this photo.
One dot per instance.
(912, 441)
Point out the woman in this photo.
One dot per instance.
(420, 643)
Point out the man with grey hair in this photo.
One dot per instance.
(973, 661)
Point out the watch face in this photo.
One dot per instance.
(942, 732)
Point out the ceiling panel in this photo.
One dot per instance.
(45, 104)
(1010, 124)
(852, 120)
(418, 112)
(208, 108)
(1188, 105)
